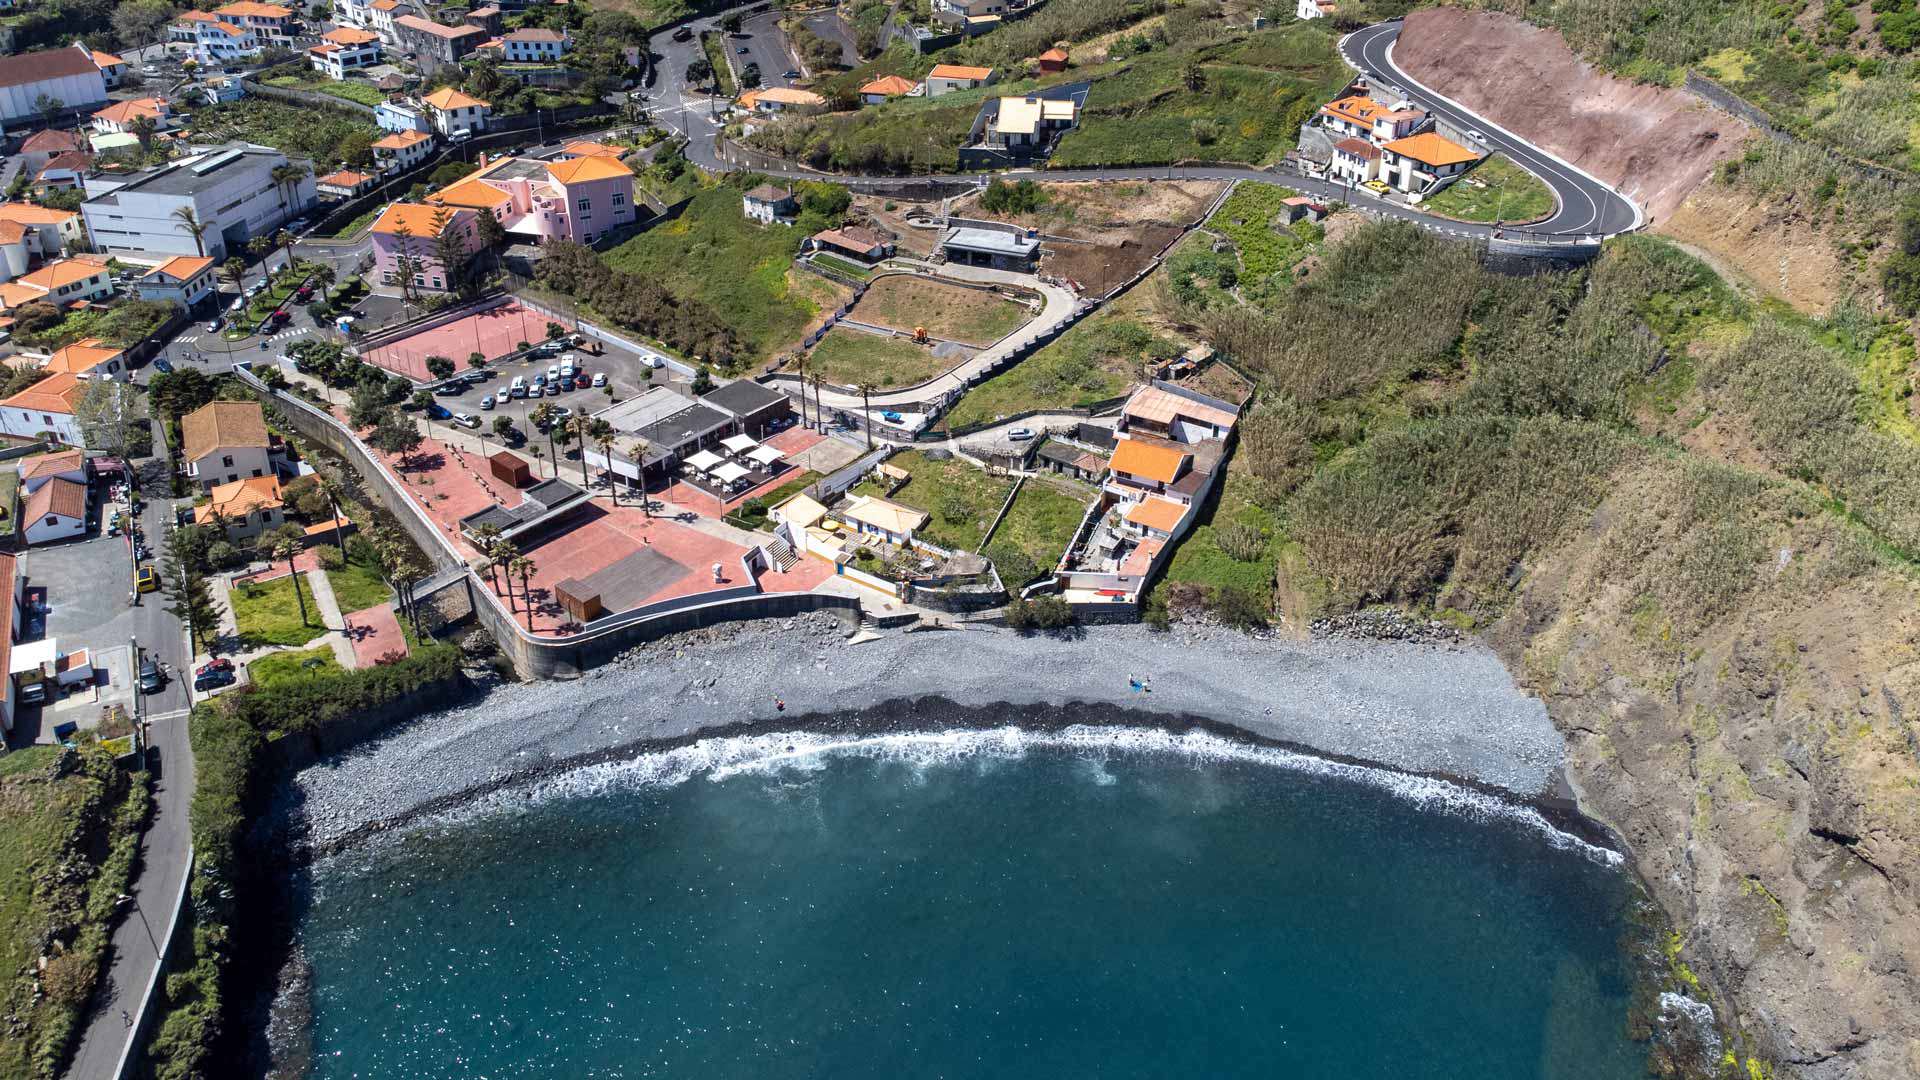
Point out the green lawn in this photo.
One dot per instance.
(364, 93)
(960, 498)
(713, 254)
(947, 311)
(1248, 218)
(1095, 361)
(1494, 190)
(270, 615)
(28, 759)
(357, 586)
(851, 269)
(753, 513)
(715, 45)
(276, 668)
(853, 357)
(1249, 106)
(1038, 527)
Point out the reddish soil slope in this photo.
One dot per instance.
(1656, 145)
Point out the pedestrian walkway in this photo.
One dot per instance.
(328, 608)
(375, 632)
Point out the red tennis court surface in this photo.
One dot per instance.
(492, 333)
(681, 563)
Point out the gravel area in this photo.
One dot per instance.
(1417, 708)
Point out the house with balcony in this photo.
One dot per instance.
(580, 199)
(406, 243)
(401, 151)
(1030, 123)
(344, 50)
(355, 13)
(243, 509)
(1425, 162)
(381, 16)
(62, 282)
(1354, 161)
(271, 23)
(42, 233)
(769, 205)
(401, 114)
(214, 41)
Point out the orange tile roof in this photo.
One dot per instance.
(470, 191)
(199, 16)
(181, 267)
(1160, 464)
(385, 5)
(428, 26)
(1056, 54)
(1161, 515)
(54, 394)
(64, 272)
(959, 71)
(239, 498)
(582, 169)
(83, 356)
(1359, 148)
(13, 294)
(106, 59)
(1431, 149)
(12, 232)
(591, 149)
(248, 9)
(123, 112)
(29, 214)
(66, 498)
(220, 424)
(415, 218)
(347, 35)
(891, 85)
(52, 464)
(448, 98)
(1356, 109)
(400, 140)
(345, 178)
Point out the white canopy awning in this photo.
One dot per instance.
(765, 455)
(729, 472)
(705, 460)
(739, 444)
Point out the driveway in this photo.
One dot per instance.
(765, 44)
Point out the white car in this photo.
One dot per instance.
(486, 401)
(1477, 137)
(466, 420)
(599, 378)
(553, 372)
(1019, 434)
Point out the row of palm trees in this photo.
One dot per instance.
(814, 380)
(500, 554)
(587, 430)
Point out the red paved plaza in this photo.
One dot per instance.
(493, 333)
(376, 632)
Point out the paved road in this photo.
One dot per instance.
(135, 947)
(766, 45)
(1586, 204)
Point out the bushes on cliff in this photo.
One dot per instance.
(310, 704)
(637, 303)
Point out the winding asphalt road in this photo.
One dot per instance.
(1586, 204)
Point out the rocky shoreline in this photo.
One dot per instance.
(1448, 712)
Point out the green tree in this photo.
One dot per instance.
(138, 23)
(542, 418)
(502, 427)
(396, 433)
(285, 546)
(191, 225)
(440, 367)
(171, 395)
(143, 127)
(189, 594)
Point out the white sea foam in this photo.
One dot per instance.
(1679, 1008)
(784, 754)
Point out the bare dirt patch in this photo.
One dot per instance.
(1123, 225)
(1781, 255)
(1655, 144)
(973, 316)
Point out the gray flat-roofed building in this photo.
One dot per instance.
(990, 247)
(650, 407)
(688, 431)
(755, 405)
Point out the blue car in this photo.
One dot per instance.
(162, 366)
(437, 411)
(890, 416)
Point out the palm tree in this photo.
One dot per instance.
(486, 537)
(866, 408)
(286, 548)
(234, 269)
(284, 240)
(601, 432)
(637, 453)
(331, 488)
(542, 419)
(191, 222)
(503, 554)
(143, 127)
(800, 366)
(525, 568)
(582, 428)
(819, 410)
(285, 176)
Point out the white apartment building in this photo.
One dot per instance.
(535, 45)
(231, 192)
(214, 40)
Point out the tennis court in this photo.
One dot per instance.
(492, 333)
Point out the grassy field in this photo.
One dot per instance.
(1039, 526)
(269, 614)
(715, 45)
(364, 93)
(358, 586)
(1252, 96)
(847, 267)
(947, 311)
(853, 357)
(1199, 559)
(276, 668)
(1504, 192)
(66, 850)
(714, 254)
(960, 499)
(1096, 360)
(753, 513)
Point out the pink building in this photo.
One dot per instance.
(582, 199)
(407, 229)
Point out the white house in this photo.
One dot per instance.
(393, 115)
(402, 150)
(120, 116)
(1314, 9)
(61, 282)
(381, 14)
(946, 78)
(768, 205)
(886, 88)
(67, 75)
(70, 465)
(1030, 121)
(56, 511)
(232, 193)
(1355, 161)
(271, 23)
(1420, 161)
(224, 442)
(214, 40)
(184, 279)
(46, 406)
(345, 184)
(112, 68)
(343, 50)
(354, 13)
(451, 111)
(223, 89)
(535, 45)
(873, 516)
(48, 231)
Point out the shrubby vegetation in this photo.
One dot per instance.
(636, 302)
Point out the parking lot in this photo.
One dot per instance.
(625, 372)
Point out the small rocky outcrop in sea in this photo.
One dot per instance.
(1387, 624)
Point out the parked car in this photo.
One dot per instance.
(1377, 187)
(1019, 434)
(539, 382)
(437, 411)
(147, 580)
(466, 420)
(599, 378)
(451, 387)
(518, 388)
(218, 663)
(304, 293)
(215, 326)
(553, 389)
(744, 51)
(553, 371)
(581, 382)
(163, 366)
(790, 74)
(487, 402)
(685, 33)
(1476, 136)
(213, 680)
(151, 681)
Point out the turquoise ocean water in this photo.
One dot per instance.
(974, 906)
